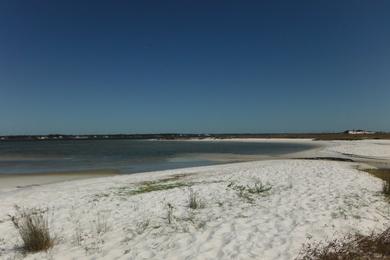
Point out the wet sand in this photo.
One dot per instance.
(13, 181)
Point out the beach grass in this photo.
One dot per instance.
(194, 202)
(170, 213)
(33, 228)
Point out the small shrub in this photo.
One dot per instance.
(32, 225)
(246, 192)
(258, 188)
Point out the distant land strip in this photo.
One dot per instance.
(175, 136)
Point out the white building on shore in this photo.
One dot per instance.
(359, 132)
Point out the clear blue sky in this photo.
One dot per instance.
(193, 66)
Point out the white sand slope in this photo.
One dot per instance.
(103, 218)
(379, 149)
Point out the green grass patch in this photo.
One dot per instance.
(151, 186)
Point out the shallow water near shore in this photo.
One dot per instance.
(130, 156)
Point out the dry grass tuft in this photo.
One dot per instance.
(170, 213)
(193, 201)
(32, 225)
(374, 246)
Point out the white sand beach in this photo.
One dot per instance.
(127, 216)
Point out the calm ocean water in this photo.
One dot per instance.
(128, 156)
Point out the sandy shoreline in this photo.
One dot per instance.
(12, 181)
(19, 181)
(307, 200)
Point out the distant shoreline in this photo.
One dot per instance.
(174, 136)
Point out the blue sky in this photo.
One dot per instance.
(193, 66)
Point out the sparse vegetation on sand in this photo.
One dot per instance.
(351, 247)
(383, 174)
(259, 209)
(150, 186)
(33, 228)
(247, 191)
(101, 225)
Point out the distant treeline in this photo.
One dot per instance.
(316, 136)
(96, 137)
